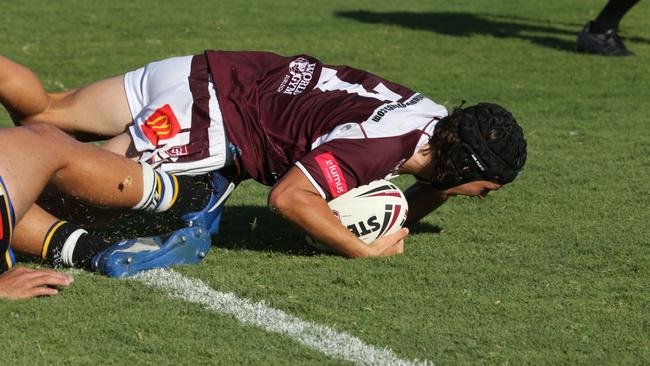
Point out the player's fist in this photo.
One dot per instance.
(390, 244)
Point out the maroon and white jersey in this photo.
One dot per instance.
(341, 126)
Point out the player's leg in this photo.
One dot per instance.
(63, 243)
(99, 108)
(42, 235)
(96, 176)
(89, 173)
(600, 36)
(20, 283)
(29, 232)
(611, 15)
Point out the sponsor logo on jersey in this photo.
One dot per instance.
(333, 173)
(161, 125)
(301, 71)
(178, 151)
(381, 112)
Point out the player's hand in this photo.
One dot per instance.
(390, 244)
(24, 283)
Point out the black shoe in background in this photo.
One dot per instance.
(606, 44)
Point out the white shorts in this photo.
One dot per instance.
(177, 124)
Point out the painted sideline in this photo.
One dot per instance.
(319, 337)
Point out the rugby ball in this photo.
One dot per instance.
(369, 211)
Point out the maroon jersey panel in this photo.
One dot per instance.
(342, 164)
(277, 109)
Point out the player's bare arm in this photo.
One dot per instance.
(423, 199)
(296, 200)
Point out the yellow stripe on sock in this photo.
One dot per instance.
(48, 237)
(10, 264)
(176, 189)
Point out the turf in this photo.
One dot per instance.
(552, 269)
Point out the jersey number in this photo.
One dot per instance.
(333, 83)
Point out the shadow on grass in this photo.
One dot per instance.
(424, 228)
(242, 227)
(541, 32)
(257, 228)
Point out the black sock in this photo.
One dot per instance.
(167, 192)
(67, 244)
(193, 194)
(611, 15)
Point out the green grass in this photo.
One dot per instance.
(551, 270)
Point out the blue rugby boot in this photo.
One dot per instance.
(210, 215)
(184, 246)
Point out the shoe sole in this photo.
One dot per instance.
(185, 246)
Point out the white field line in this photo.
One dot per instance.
(319, 337)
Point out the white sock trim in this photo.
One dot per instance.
(69, 245)
(148, 187)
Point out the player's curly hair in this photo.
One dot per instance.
(478, 142)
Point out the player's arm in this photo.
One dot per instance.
(296, 200)
(423, 199)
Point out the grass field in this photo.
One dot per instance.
(554, 269)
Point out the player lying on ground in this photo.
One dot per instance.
(312, 131)
(35, 155)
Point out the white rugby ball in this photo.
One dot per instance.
(369, 212)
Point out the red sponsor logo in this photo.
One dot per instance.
(178, 151)
(333, 174)
(161, 125)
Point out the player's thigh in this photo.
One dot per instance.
(99, 108)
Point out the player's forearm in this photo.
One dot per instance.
(423, 199)
(312, 215)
